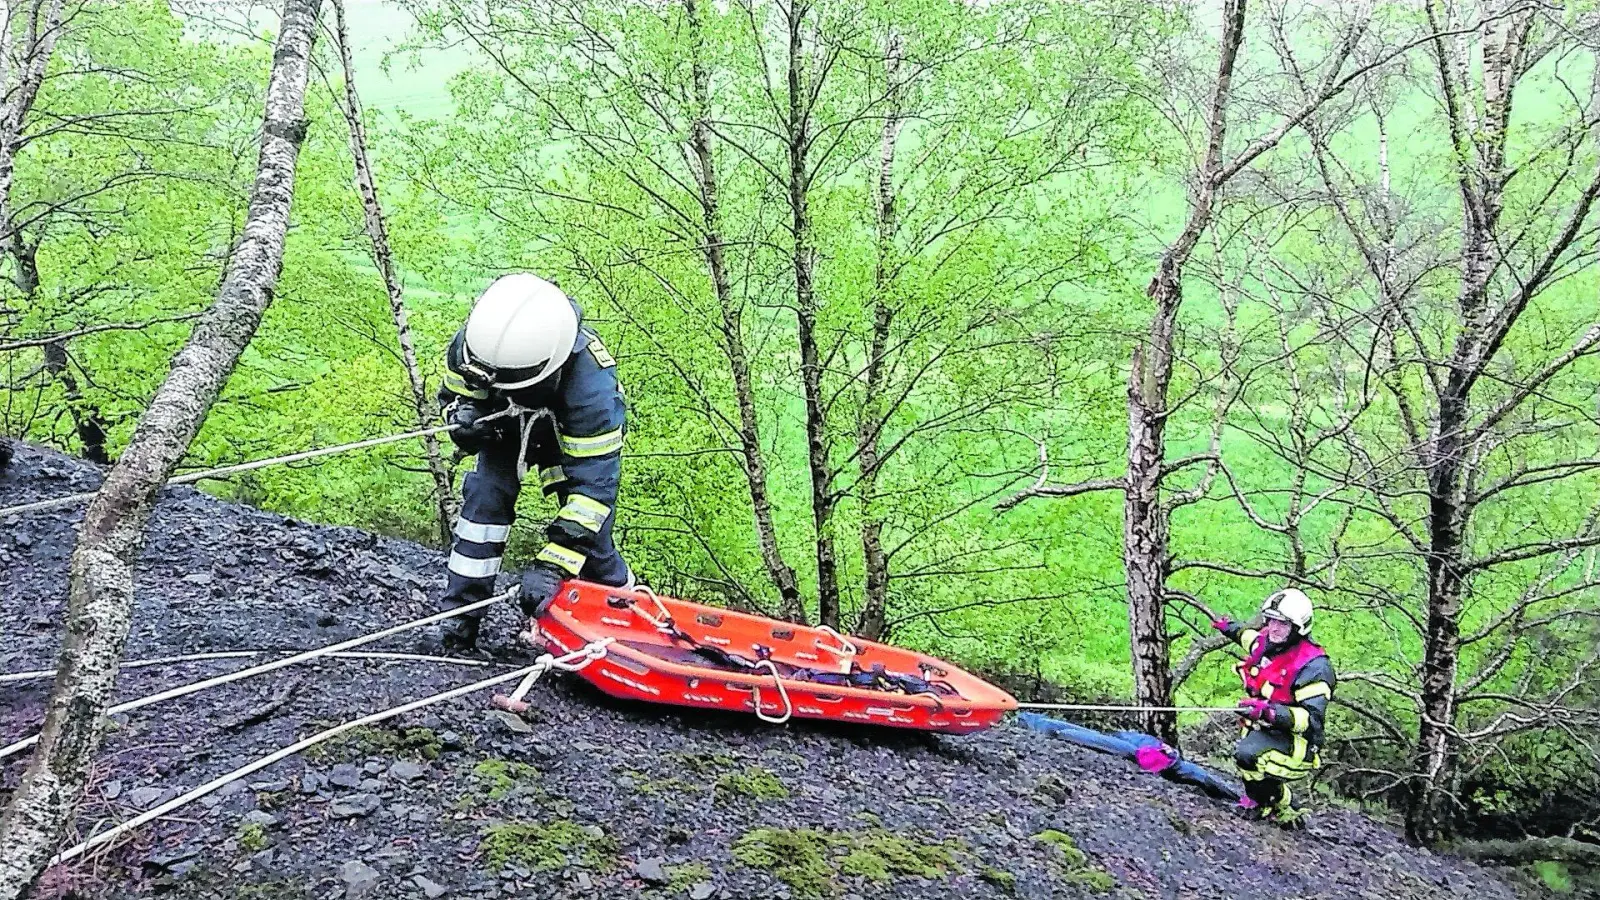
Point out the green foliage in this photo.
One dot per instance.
(547, 847)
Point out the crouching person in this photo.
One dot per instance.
(1288, 683)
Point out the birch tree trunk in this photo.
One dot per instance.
(44, 27)
(378, 234)
(100, 595)
(804, 259)
(870, 424)
(752, 455)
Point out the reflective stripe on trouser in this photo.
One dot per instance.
(488, 507)
(1273, 757)
(602, 563)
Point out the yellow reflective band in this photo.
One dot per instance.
(552, 476)
(595, 445)
(557, 555)
(1314, 689)
(601, 354)
(1247, 638)
(1301, 719)
(589, 513)
(455, 384)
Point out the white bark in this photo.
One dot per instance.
(44, 27)
(378, 234)
(101, 576)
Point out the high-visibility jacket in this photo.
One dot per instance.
(1297, 679)
(572, 435)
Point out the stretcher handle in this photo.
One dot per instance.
(663, 623)
(846, 650)
(783, 694)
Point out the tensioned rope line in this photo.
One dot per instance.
(1100, 707)
(275, 665)
(192, 477)
(36, 674)
(570, 662)
(74, 499)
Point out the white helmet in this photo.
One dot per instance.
(1291, 606)
(521, 330)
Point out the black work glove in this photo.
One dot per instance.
(539, 586)
(473, 435)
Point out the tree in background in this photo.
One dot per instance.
(643, 150)
(100, 595)
(378, 234)
(1472, 345)
(1148, 499)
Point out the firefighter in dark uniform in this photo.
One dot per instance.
(524, 349)
(1288, 683)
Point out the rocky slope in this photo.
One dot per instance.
(592, 798)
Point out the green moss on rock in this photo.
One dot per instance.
(1075, 865)
(797, 857)
(1000, 878)
(812, 860)
(414, 743)
(547, 846)
(500, 778)
(752, 782)
(252, 837)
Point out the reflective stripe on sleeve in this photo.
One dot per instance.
(1314, 689)
(468, 530)
(585, 511)
(570, 560)
(1299, 719)
(595, 445)
(552, 476)
(467, 567)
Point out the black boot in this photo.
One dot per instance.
(458, 634)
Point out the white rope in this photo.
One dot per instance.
(1095, 707)
(37, 674)
(273, 666)
(72, 499)
(570, 662)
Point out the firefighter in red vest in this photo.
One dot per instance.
(1288, 682)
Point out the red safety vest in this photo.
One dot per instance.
(1273, 679)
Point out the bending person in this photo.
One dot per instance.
(524, 350)
(1150, 753)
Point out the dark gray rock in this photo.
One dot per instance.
(259, 817)
(345, 775)
(355, 806)
(360, 880)
(652, 870)
(406, 770)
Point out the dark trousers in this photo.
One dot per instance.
(1268, 760)
(488, 509)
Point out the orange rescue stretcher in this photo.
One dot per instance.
(680, 653)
